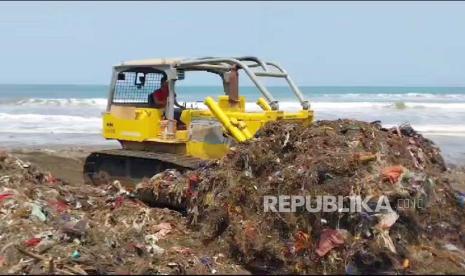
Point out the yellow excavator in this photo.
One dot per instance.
(155, 138)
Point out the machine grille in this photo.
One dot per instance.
(135, 87)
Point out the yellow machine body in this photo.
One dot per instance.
(145, 126)
(156, 136)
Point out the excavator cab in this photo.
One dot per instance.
(154, 138)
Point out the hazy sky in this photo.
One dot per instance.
(319, 43)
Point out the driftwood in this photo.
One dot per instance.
(51, 264)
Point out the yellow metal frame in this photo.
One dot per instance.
(144, 124)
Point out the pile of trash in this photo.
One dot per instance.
(246, 213)
(422, 231)
(52, 227)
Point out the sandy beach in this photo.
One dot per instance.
(64, 162)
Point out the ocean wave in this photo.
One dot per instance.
(437, 129)
(98, 102)
(388, 97)
(74, 115)
(292, 106)
(392, 105)
(325, 100)
(399, 105)
(101, 103)
(39, 123)
(337, 99)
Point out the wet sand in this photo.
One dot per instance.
(452, 148)
(63, 162)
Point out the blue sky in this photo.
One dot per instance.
(319, 43)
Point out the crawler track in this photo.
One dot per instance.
(131, 166)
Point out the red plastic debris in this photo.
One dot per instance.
(329, 239)
(5, 196)
(32, 242)
(302, 242)
(193, 181)
(118, 202)
(59, 205)
(393, 173)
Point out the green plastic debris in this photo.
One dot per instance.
(75, 255)
(37, 212)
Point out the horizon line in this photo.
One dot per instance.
(212, 85)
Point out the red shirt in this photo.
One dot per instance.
(161, 94)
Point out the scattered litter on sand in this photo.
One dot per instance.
(54, 227)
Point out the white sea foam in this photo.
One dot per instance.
(38, 123)
(83, 115)
(292, 106)
(351, 100)
(379, 98)
(437, 129)
(389, 96)
(101, 102)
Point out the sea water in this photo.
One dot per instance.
(41, 115)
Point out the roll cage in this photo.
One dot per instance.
(223, 66)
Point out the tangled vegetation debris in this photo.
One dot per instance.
(342, 158)
(50, 226)
(213, 220)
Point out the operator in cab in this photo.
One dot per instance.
(159, 97)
